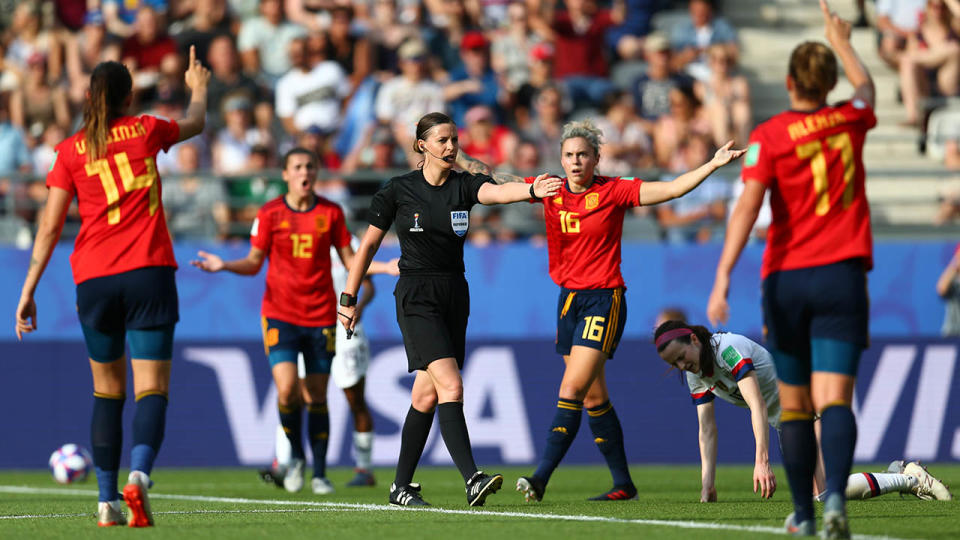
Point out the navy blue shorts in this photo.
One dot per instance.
(283, 342)
(592, 318)
(144, 300)
(804, 309)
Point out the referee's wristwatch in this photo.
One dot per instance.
(347, 300)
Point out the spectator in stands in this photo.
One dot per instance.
(377, 151)
(897, 20)
(510, 50)
(312, 92)
(226, 79)
(29, 38)
(482, 137)
(150, 53)
(404, 99)
(208, 20)
(449, 22)
(691, 37)
(541, 76)
(626, 147)
(547, 124)
(581, 59)
(231, 147)
(120, 16)
(83, 51)
(264, 42)
(244, 9)
(319, 140)
(522, 220)
(195, 206)
(948, 287)
(951, 150)
(43, 153)
(475, 83)
(726, 97)
(387, 33)
(627, 38)
(695, 217)
(14, 154)
(931, 63)
(686, 118)
(651, 91)
(269, 129)
(36, 103)
(347, 46)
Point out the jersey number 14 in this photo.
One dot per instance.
(101, 168)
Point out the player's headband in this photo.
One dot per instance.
(671, 335)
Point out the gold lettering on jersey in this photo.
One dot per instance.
(592, 201)
(117, 134)
(814, 123)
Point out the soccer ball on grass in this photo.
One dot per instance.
(70, 463)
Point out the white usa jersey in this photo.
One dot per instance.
(734, 357)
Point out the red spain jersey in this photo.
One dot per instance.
(812, 162)
(122, 225)
(584, 231)
(297, 243)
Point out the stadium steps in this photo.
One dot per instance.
(903, 185)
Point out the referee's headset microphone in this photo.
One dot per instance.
(423, 148)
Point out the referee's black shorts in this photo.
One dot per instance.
(432, 311)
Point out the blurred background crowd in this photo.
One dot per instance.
(349, 80)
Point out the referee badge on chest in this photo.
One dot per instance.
(416, 223)
(460, 221)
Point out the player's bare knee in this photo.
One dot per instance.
(288, 395)
(572, 392)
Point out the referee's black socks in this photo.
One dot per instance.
(453, 428)
(413, 437)
(563, 430)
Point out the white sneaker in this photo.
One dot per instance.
(321, 486)
(293, 480)
(928, 488)
(110, 514)
(135, 495)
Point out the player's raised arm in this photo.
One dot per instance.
(708, 451)
(657, 192)
(196, 78)
(837, 32)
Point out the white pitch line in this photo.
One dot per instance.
(185, 512)
(449, 511)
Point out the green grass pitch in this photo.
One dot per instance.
(233, 503)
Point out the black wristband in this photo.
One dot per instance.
(347, 300)
(532, 194)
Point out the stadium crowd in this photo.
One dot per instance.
(349, 79)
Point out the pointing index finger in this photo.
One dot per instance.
(193, 54)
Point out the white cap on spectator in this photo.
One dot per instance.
(412, 48)
(656, 42)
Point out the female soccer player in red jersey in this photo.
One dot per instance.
(430, 209)
(584, 227)
(295, 232)
(819, 248)
(123, 266)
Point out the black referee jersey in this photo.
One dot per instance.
(431, 221)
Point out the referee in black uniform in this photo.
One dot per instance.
(430, 208)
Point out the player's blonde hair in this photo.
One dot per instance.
(813, 68)
(584, 129)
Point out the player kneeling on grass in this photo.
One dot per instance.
(741, 372)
